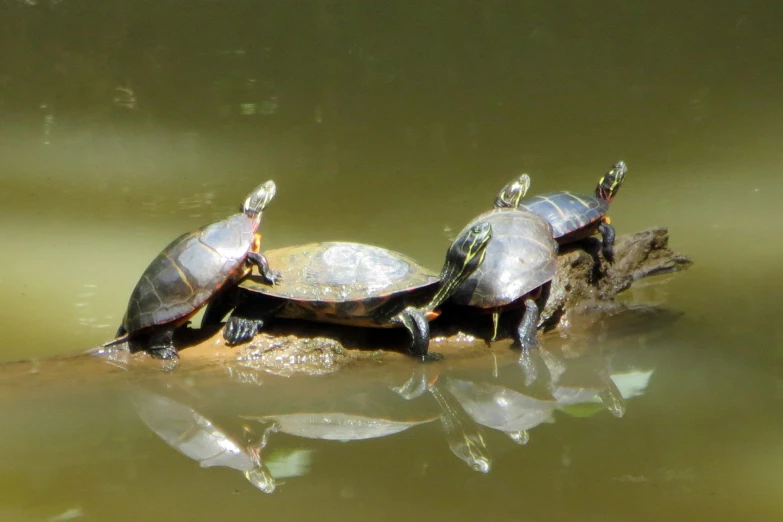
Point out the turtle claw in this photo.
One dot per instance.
(249, 330)
(165, 353)
(230, 331)
(273, 276)
(161, 345)
(239, 330)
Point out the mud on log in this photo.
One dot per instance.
(586, 281)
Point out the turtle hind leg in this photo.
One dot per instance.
(247, 319)
(607, 234)
(415, 320)
(240, 330)
(526, 333)
(218, 307)
(161, 344)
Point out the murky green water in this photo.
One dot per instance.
(124, 123)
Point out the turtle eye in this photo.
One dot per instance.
(480, 229)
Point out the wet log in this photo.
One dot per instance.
(586, 282)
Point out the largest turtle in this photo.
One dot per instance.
(190, 271)
(353, 284)
(574, 216)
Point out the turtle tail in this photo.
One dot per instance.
(121, 336)
(119, 340)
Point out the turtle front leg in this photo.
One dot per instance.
(415, 320)
(161, 344)
(526, 332)
(607, 233)
(254, 258)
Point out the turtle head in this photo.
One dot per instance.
(510, 195)
(609, 185)
(465, 255)
(468, 249)
(259, 199)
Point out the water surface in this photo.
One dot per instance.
(125, 123)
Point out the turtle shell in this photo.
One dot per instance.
(521, 257)
(341, 282)
(567, 212)
(188, 272)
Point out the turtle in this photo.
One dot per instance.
(518, 266)
(187, 431)
(190, 271)
(501, 407)
(463, 435)
(573, 216)
(353, 284)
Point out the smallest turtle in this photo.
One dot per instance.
(573, 216)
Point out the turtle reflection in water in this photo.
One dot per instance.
(190, 271)
(463, 435)
(352, 284)
(338, 426)
(602, 392)
(501, 408)
(198, 438)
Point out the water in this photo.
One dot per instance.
(123, 124)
